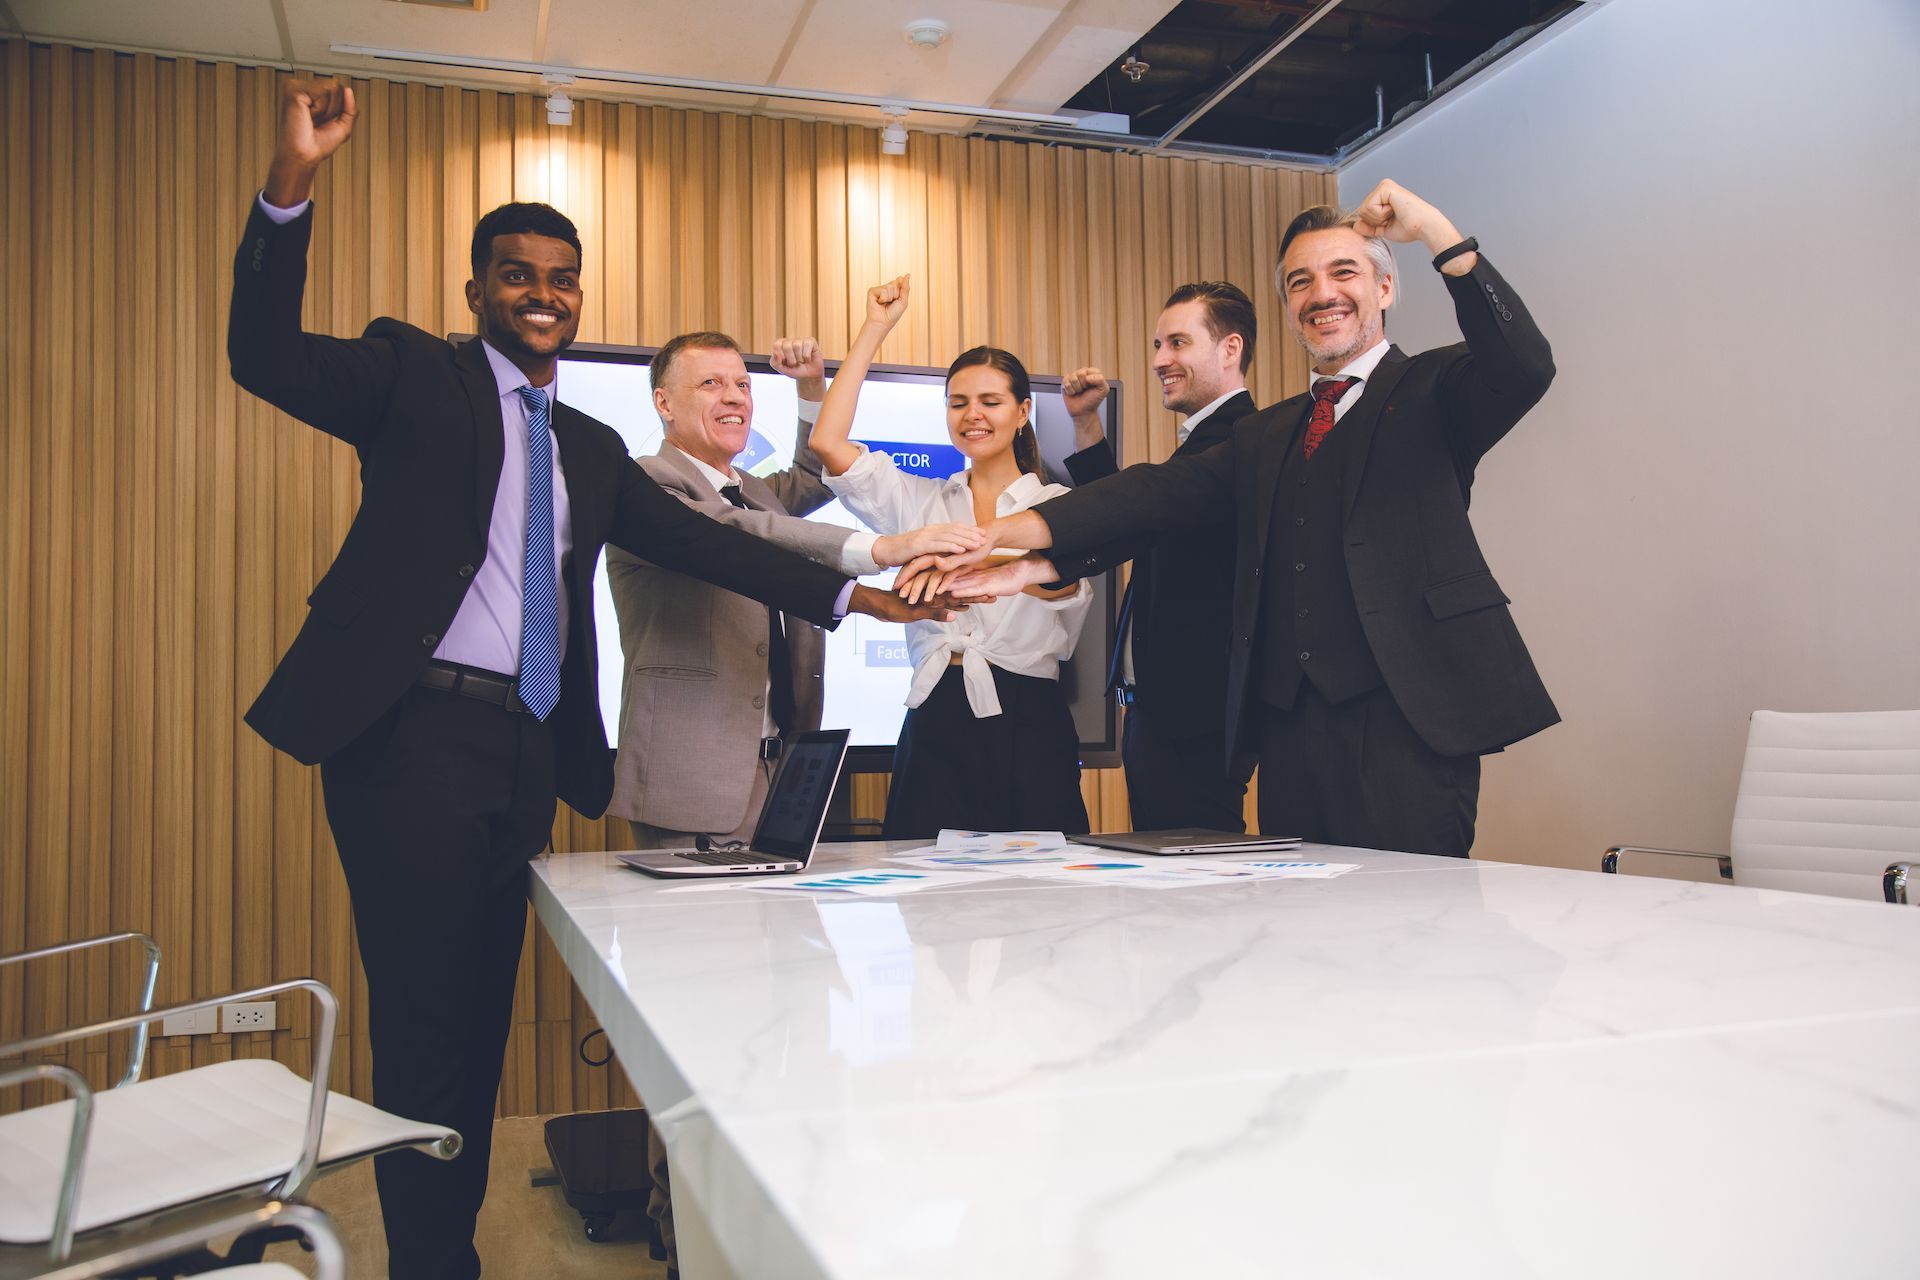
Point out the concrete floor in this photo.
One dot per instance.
(525, 1232)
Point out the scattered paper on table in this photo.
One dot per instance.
(1301, 870)
(1032, 862)
(867, 882)
(952, 841)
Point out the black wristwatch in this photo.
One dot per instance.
(1442, 258)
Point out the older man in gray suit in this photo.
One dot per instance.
(714, 679)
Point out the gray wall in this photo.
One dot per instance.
(1710, 209)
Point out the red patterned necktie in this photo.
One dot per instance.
(1326, 393)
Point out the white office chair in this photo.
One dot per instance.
(199, 1232)
(99, 1172)
(1829, 803)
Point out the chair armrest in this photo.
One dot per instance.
(1894, 882)
(1610, 861)
(301, 1173)
(60, 1243)
(139, 1056)
(330, 1262)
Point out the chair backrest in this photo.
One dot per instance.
(1827, 800)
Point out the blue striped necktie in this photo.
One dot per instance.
(539, 595)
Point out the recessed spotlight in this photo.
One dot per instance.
(927, 33)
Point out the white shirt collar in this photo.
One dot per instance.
(508, 377)
(1361, 366)
(718, 479)
(1199, 416)
(1025, 489)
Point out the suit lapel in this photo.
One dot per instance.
(681, 465)
(1361, 421)
(1273, 456)
(1217, 426)
(483, 397)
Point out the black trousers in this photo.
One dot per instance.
(1017, 771)
(1178, 781)
(436, 810)
(1356, 773)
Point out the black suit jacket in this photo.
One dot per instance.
(424, 417)
(1434, 617)
(1179, 599)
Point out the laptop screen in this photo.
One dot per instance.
(797, 802)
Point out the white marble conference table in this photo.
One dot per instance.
(1426, 1067)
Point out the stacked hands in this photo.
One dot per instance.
(976, 574)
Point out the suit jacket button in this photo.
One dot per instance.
(429, 640)
(1304, 655)
(759, 701)
(761, 649)
(466, 571)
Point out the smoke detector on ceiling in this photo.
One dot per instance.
(927, 33)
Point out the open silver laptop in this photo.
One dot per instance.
(790, 820)
(1188, 841)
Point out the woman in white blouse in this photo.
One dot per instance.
(988, 742)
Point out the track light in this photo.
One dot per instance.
(893, 138)
(559, 105)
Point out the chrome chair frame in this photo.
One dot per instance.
(289, 1187)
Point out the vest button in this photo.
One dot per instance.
(1304, 655)
(1300, 568)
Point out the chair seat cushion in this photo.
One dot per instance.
(176, 1139)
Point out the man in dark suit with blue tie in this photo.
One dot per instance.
(444, 678)
(1168, 666)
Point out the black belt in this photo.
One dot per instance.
(770, 748)
(474, 682)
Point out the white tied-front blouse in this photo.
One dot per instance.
(1022, 634)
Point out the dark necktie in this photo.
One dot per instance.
(1326, 393)
(779, 665)
(539, 589)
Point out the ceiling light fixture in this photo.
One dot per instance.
(893, 138)
(559, 105)
(927, 33)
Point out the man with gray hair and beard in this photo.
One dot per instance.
(1372, 660)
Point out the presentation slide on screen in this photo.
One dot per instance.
(867, 669)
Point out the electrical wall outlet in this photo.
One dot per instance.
(200, 1022)
(253, 1016)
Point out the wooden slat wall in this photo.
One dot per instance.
(143, 602)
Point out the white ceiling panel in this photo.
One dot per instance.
(859, 47)
(732, 40)
(1028, 54)
(507, 29)
(220, 28)
(1091, 38)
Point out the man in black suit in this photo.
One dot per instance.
(444, 679)
(1168, 666)
(1372, 659)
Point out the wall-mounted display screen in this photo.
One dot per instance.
(902, 411)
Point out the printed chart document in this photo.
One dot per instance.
(865, 882)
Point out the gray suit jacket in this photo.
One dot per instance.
(693, 702)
